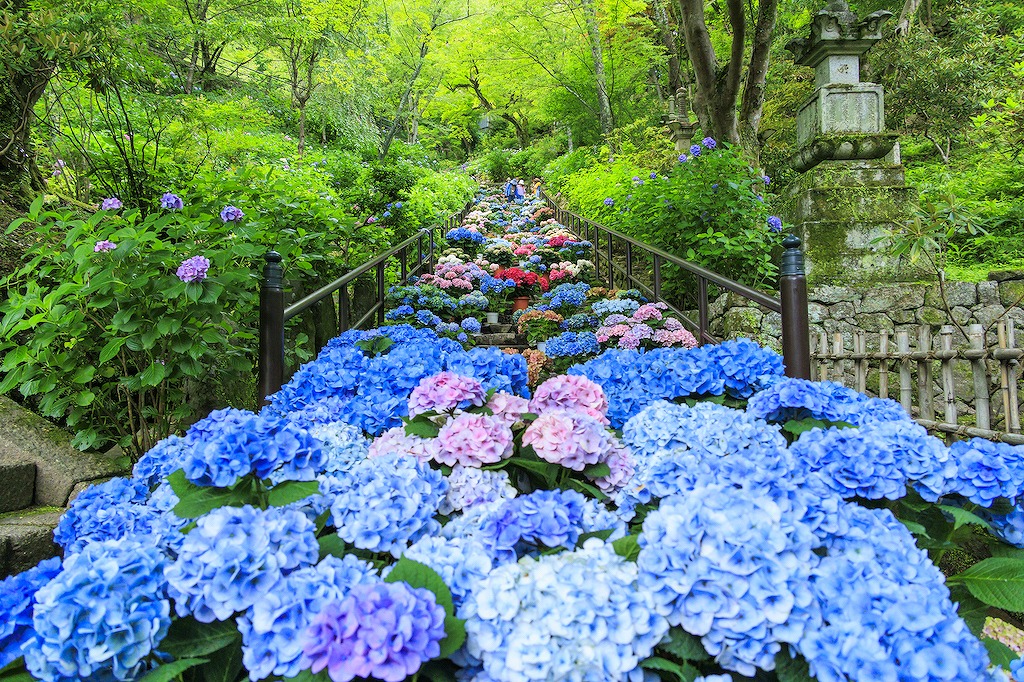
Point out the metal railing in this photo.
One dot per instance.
(617, 255)
(274, 314)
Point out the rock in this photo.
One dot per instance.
(816, 312)
(1005, 275)
(25, 436)
(873, 323)
(988, 314)
(842, 311)
(988, 293)
(932, 316)
(834, 294)
(26, 538)
(1011, 293)
(17, 481)
(957, 293)
(891, 298)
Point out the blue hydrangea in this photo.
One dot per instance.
(606, 307)
(235, 556)
(343, 445)
(107, 511)
(461, 234)
(567, 296)
(385, 503)
(987, 471)
(273, 629)
(731, 566)
(264, 445)
(461, 562)
(162, 459)
(102, 615)
(885, 609)
(471, 325)
(571, 344)
(17, 599)
(747, 366)
(469, 486)
(574, 615)
(801, 399)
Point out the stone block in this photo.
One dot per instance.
(874, 173)
(932, 316)
(891, 298)
(742, 322)
(832, 294)
(1011, 293)
(962, 314)
(988, 292)
(26, 538)
(17, 481)
(841, 108)
(873, 323)
(986, 315)
(842, 311)
(957, 293)
(1005, 275)
(25, 436)
(816, 312)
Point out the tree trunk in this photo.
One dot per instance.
(404, 101)
(906, 17)
(604, 107)
(752, 104)
(19, 93)
(675, 78)
(302, 127)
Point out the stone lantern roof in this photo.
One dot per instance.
(837, 32)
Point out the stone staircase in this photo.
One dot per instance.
(40, 473)
(500, 336)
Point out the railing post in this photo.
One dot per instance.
(611, 269)
(271, 352)
(430, 257)
(796, 347)
(656, 281)
(702, 310)
(381, 293)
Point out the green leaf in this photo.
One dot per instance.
(996, 581)
(111, 349)
(627, 547)
(685, 646)
(224, 665)
(422, 428)
(999, 653)
(188, 638)
(436, 671)
(332, 545)
(602, 534)
(789, 669)
(15, 672)
(194, 500)
(962, 517)
(796, 427)
(291, 491)
(416, 574)
(683, 672)
(546, 470)
(597, 470)
(170, 671)
(308, 676)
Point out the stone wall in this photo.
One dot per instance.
(873, 308)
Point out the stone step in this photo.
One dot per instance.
(17, 484)
(502, 340)
(26, 538)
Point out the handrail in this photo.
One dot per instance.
(274, 314)
(791, 303)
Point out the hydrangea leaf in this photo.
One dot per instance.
(962, 517)
(188, 638)
(424, 428)
(170, 671)
(455, 635)
(416, 574)
(795, 427)
(286, 492)
(973, 611)
(597, 470)
(332, 545)
(225, 664)
(15, 672)
(627, 547)
(996, 581)
(194, 500)
(998, 653)
(789, 669)
(682, 672)
(682, 644)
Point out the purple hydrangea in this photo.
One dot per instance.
(775, 223)
(172, 202)
(193, 269)
(609, 201)
(111, 204)
(384, 630)
(683, 158)
(695, 150)
(709, 142)
(231, 213)
(104, 245)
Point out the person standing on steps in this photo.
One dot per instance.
(510, 188)
(536, 188)
(520, 191)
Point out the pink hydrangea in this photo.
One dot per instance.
(614, 319)
(474, 440)
(395, 440)
(573, 393)
(672, 324)
(678, 337)
(620, 462)
(445, 392)
(570, 439)
(507, 407)
(615, 331)
(648, 311)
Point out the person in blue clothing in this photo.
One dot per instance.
(510, 188)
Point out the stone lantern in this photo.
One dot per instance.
(852, 187)
(677, 122)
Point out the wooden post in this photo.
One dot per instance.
(838, 366)
(823, 349)
(1009, 407)
(861, 363)
(924, 374)
(271, 351)
(982, 409)
(1013, 369)
(947, 374)
(906, 391)
(883, 364)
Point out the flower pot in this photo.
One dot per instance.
(520, 303)
(492, 318)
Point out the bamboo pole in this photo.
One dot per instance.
(823, 365)
(862, 368)
(1012, 369)
(948, 387)
(837, 363)
(982, 410)
(906, 391)
(924, 374)
(883, 367)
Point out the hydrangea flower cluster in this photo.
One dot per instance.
(570, 439)
(445, 392)
(235, 556)
(474, 440)
(575, 615)
(801, 399)
(193, 269)
(108, 511)
(385, 503)
(572, 393)
(624, 306)
(572, 344)
(102, 615)
(566, 298)
(17, 601)
(470, 486)
(464, 235)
